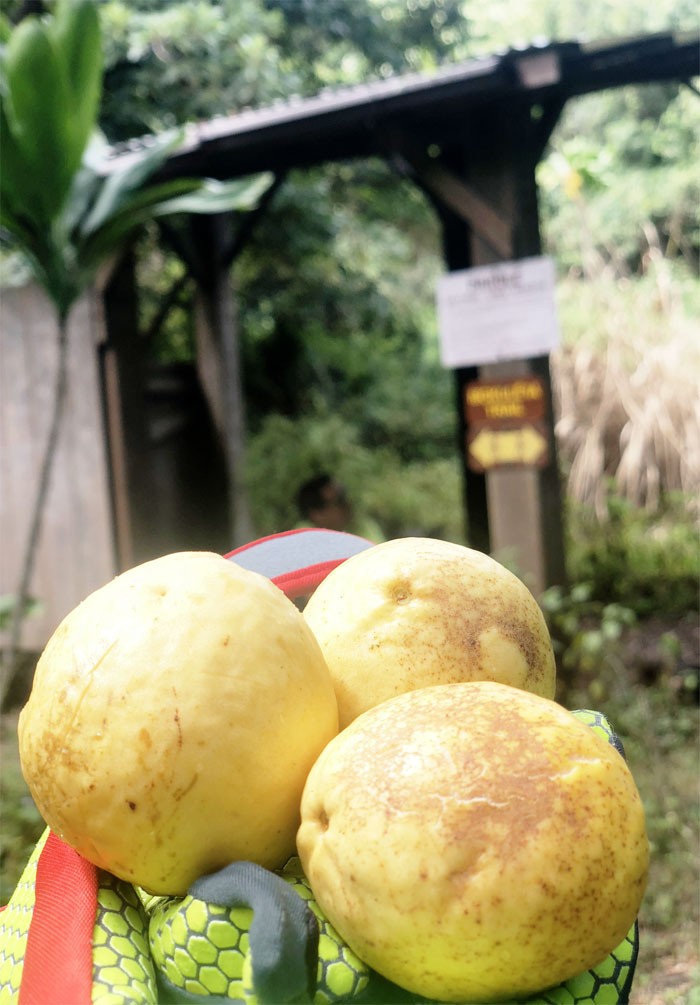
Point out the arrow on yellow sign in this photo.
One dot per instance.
(491, 448)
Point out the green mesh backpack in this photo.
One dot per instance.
(73, 934)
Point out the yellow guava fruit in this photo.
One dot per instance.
(474, 842)
(414, 612)
(173, 719)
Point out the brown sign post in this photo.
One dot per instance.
(511, 477)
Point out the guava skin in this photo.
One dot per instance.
(415, 612)
(173, 719)
(474, 842)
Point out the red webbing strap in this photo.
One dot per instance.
(58, 956)
(296, 584)
(298, 560)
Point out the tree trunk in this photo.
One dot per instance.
(10, 657)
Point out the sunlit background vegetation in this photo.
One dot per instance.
(339, 341)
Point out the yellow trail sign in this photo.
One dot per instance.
(490, 448)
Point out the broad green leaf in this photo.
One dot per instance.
(38, 109)
(123, 181)
(16, 230)
(76, 29)
(84, 189)
(134, 212)
(135, 200)
(219, 197)
(14, 188)
(197, 195)
(210, 196)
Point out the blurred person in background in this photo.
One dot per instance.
(323, 502)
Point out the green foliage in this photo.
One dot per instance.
(8, 602)
(309, 312)
(50, 90)
(166, 64)
(422, 496)
(585, 632)
(51, 84)
(327, 311)
(342, 41)
(218, 56)
(20, 822)
(652, 313)
(619, 161)
(165, 305)
(645, 561)
(338, 349)
(122, 203)
(56, 205)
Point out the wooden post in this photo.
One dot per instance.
(513, 512)
(127, 437)
(456, 235)
(218, 359)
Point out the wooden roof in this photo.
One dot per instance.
(340, 124)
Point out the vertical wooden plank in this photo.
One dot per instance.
(457, 250)
(218, 360)
(505, 176)
(514, 504)
(116, 453)
(527, 139)
(89, 499)
(516, 513)
(551, 492)
(126, 415)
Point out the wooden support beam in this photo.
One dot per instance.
(218, 361)
(448, 189)
(542, 125)
(182, 244)
(250, 220)
(456, 249)
(511, 512)
(124, 384)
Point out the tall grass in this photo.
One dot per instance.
(626, 385)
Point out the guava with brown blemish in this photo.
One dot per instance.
(414, 612)
(173, 719)
(474, 842)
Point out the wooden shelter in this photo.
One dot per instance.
(470, 135)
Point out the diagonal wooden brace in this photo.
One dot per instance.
(446, 187)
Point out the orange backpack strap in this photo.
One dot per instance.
(58, 956)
